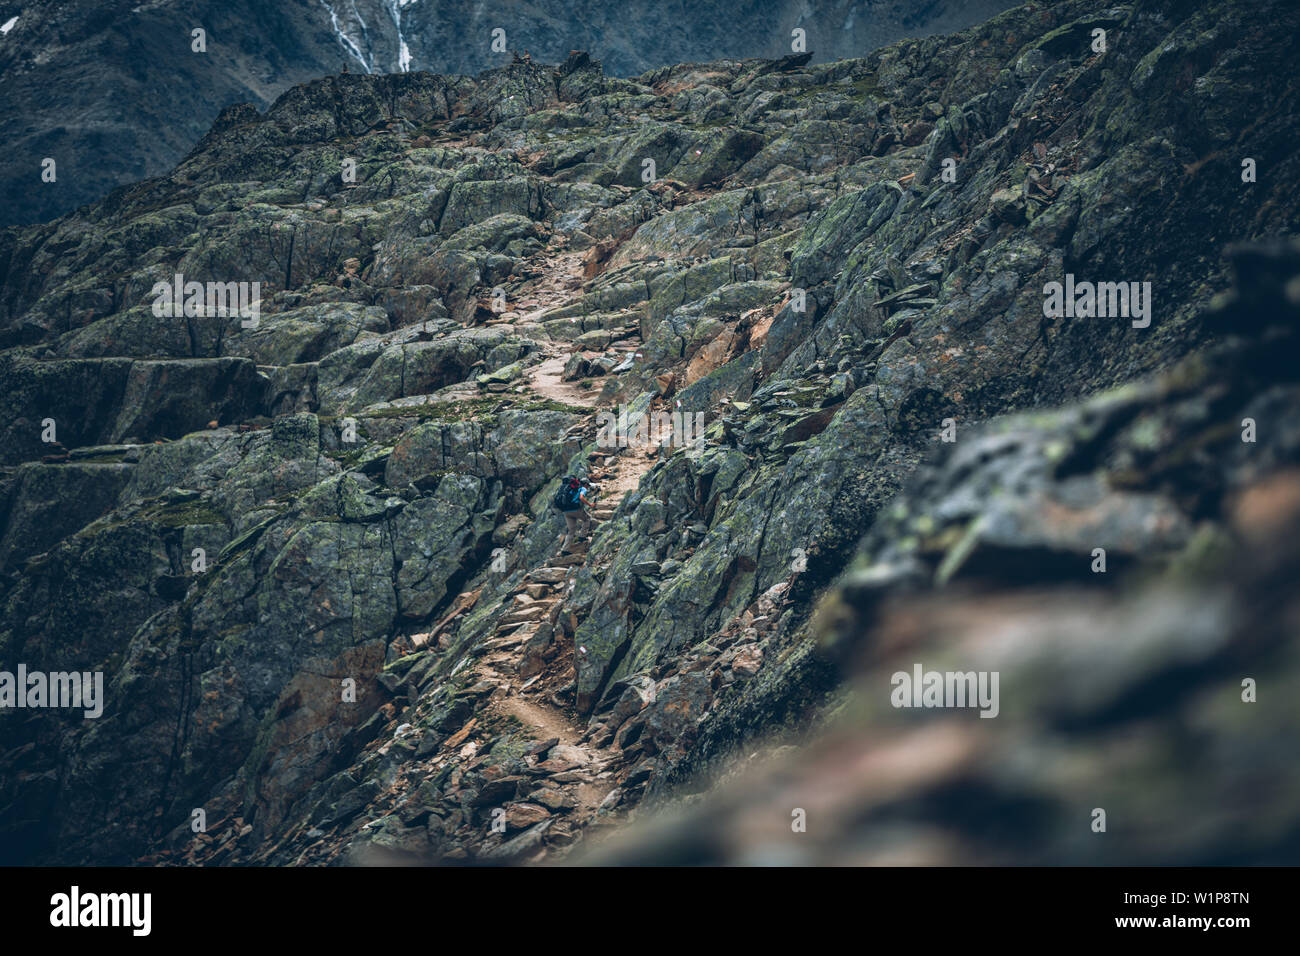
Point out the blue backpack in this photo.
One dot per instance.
(568, 497)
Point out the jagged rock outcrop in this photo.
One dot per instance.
(1128, 686)
(316, 560)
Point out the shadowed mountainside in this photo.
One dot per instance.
(113, 90)
(315, 556)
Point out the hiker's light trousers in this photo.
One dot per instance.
(572, 521)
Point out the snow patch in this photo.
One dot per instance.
(403, 51)
(348, 44)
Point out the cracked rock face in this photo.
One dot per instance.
(314, 554)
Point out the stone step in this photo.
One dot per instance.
(532, 613)
(548, 575)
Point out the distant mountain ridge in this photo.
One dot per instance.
(113, 92)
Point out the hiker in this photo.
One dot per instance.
(572, 500)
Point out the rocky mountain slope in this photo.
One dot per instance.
(314, 555)
(115, 90)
